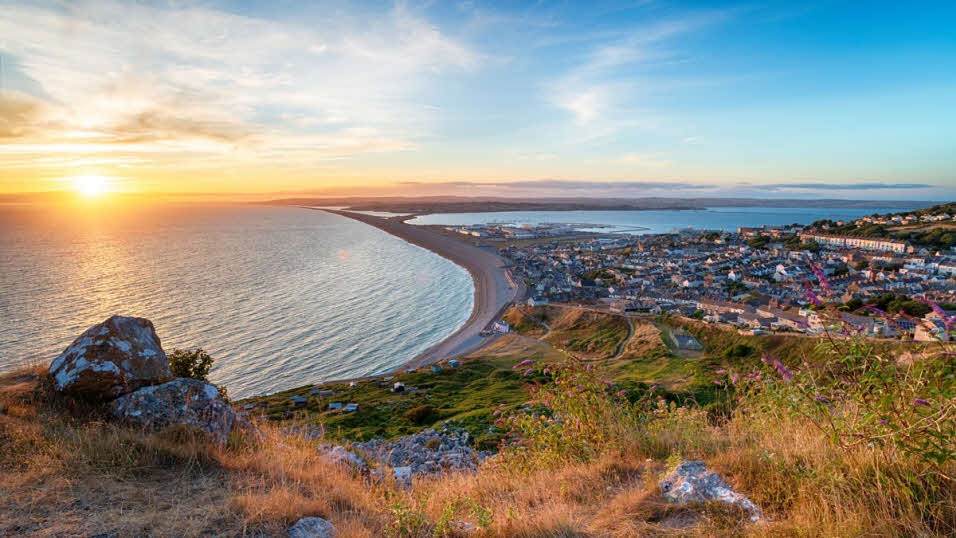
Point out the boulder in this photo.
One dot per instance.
(692, 481)
(343, 456)
(110, 359)
(312, 527)
(182, 401)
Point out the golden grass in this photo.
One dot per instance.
(69, 472)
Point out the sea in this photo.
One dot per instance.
(279, 296)
(727, 219)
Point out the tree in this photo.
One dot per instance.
(192, 363)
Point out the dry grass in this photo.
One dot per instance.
(65, 471)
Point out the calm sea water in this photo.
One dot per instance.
(281, 297)
(644, 222)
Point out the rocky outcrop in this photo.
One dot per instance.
(692, 481)
(110, 359)
(182, 401)
(312, 527)
(426, 452)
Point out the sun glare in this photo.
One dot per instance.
(90, 186)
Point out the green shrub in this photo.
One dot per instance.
(192, 363)
(419, 415)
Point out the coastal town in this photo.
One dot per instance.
(761, 280)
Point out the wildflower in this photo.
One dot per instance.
(812, 297)
(578, 387)
(936, 308)
(822, 399)
(497, 412)
(622, 393)
(764, 359)
(653, 387)
(609, 384)
(819, 273)
(525, 362)
(716, 382)
(734, 378)
(527, 372)
(920, 401)
(589, 368)
(721, 372)
(787, 374)
(883, 422)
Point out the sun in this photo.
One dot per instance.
(91, 186)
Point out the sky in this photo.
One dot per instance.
(643, 98)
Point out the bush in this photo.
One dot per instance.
(192, 363)
(419, 415)
(433, 443)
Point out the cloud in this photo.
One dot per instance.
(600, 91)
(844, 186)
(144, 83)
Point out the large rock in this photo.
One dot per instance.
(112, 358)
(312, 527)
(182, 401)
(692, 481)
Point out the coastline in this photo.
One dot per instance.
(494, 289)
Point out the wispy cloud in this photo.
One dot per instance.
(599, 91)
(845, 186)
(139, 81)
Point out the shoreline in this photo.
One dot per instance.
(494, 289)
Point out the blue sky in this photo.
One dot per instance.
(830, 98)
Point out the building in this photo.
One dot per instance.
(850, 241)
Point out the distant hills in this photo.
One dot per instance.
(456, 204)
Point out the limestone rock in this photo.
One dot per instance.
(343, 456)
(692, 481)
(182, 401)
(110, 359)
(312, 527)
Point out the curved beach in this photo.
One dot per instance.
(494, 289)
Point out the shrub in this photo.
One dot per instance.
(433, 443)
(192, 363)
(419, 415)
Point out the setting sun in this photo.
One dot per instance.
(90, 186)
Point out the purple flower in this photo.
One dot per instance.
(653, 387)
(523, 363)
(497, 412)
(787, 374)
(609, 384)
(821, 399)
(622, 393)
(578, 387)
(720, 372)
(527, 372)
(920, 401)
(936, 308)
(764, 359)
(734, 378)
(819, 273)
(883, 422)
(589, 368)
(717, 382)
(812, 297)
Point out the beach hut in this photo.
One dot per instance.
(299, 401)
(351, 408)
(436, 368)
(335, 405)
(453, 363)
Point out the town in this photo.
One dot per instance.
(759, 280)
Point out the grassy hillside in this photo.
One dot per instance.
(65, 469)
